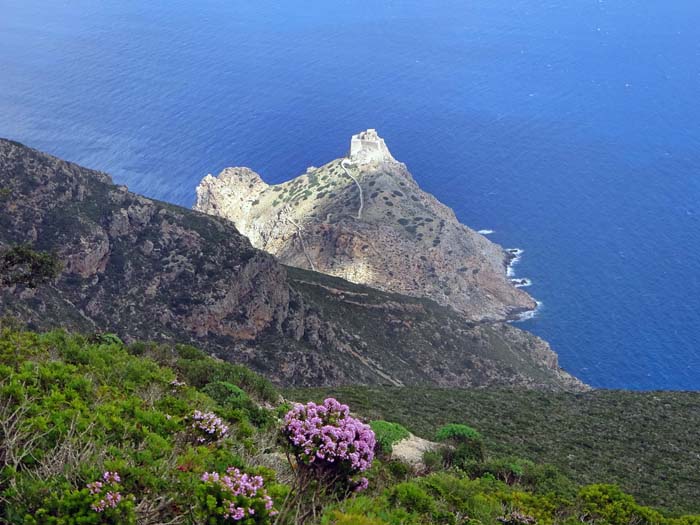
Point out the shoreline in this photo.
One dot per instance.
(513, 257)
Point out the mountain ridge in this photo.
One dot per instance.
(145, 269)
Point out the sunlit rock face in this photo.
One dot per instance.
(365, 219)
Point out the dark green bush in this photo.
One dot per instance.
(456, 433)
(227, 394)
(22, 265)
(412, 497)
(507, 470)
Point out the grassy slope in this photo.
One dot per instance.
(646, 442)
(418, 341)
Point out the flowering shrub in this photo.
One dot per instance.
(98, 503)
(209, 426)
(234, 497)
(177, 384)
(108, 490)
(329, 442)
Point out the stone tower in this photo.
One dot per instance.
(367, 147)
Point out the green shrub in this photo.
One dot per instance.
(413, 497)
(456, 432)
(507, 470)
(22, 265)
(387, 434)
(340, 518)
(465, 445)
(72, 507)
(365, 510)
(73, 405)
(547, 479)
(609, 504)
(433, 460)
(226, 394)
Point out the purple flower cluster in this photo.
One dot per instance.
(361, 484)
(210, 425)
(240, 492)
(327, 436)
(111, 497)
(177, 384)
(111, 477)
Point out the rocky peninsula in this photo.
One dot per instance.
(364, 218)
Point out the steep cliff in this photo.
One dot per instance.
(364, 218)
(149, 270)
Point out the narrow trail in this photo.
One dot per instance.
(303, 243)
(362, 200)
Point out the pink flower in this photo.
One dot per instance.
(327, 436)
(238, 489)
(210, 425)
(111, 477)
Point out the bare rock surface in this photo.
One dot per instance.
(411, 450)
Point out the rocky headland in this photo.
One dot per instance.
(365, 219)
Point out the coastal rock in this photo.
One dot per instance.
(365, 219)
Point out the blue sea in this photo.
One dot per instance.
(569, 127)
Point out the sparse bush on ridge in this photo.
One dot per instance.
(22, 265)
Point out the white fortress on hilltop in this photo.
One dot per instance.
(367, 147)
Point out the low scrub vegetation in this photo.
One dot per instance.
(645, 442)
(93, 431)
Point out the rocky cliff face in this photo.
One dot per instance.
(364, 218)
(148, 270)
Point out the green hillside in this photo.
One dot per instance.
(93, 431)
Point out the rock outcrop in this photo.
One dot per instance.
(364, 218)
(144, 269)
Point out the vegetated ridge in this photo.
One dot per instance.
(94, 431)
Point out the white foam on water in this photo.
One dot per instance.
(530, 314)
(521, 282)
(517, 255)
(485, 232)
